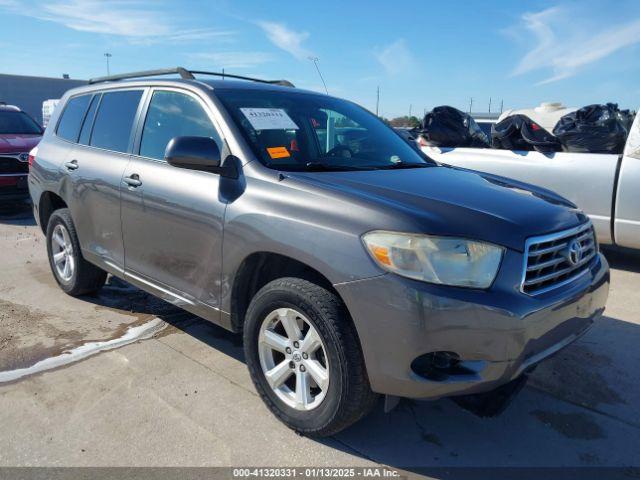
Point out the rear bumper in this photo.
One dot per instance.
(498, 334)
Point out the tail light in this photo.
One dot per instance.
(32, 156)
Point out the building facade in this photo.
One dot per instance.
(29, 93)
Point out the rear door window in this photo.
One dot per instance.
(69, 124)
(173, 114)
(114, 120)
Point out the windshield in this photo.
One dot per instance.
(298, 131)
(18, 123)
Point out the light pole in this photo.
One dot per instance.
(108, 56)
(315, 62)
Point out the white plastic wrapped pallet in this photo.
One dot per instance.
(47, 110)
(546, 114)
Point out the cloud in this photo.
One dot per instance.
(396, 57)
(198, 34)
(286, 39)
(564, 52)
(140, 20)
(232, 59)
(103, 17)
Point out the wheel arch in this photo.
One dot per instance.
(260, 268)
(49, 202)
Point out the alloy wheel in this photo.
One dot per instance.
(293, 359)
(62, 251)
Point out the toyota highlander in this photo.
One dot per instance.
(352, 264)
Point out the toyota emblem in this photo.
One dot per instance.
(574, 252)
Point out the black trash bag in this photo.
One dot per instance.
(446, 126)
(519, 132)
(624, 116)
(592, 129)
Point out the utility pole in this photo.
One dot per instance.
(410, 105)
(489, 104)
(470, 104)
(501, 104)
(377, 100)
(315, 62)
(108, 56)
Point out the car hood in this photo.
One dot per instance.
(14, 143)
(452, 201)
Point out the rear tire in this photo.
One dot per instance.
(73, 273)
(326, 353)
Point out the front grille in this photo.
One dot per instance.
(11, 164)
(558, 259)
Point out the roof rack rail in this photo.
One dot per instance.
(183, 72)
(284, 83)
(186, 74)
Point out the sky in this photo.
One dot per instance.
(420, 53)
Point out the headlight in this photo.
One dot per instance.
(442, 260)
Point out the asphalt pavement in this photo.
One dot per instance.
(124, 379)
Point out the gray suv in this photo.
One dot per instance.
(354, 266)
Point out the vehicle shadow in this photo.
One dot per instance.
(579, 409)
(121, 296)
(622, 258)
(16, 213)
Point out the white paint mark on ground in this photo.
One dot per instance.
(24, 239)
(133, 334)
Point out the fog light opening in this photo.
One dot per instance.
(439, 366)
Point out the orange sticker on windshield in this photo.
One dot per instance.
(278, 152)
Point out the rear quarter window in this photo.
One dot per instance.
(114, 120)
(85, 133)
(72, 116)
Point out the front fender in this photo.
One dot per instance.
(317, 231)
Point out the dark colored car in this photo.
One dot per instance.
(19, 133)
(353, 265)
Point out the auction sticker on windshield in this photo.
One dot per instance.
(278, 152)
(269, 119)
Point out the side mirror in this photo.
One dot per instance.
(193, 153)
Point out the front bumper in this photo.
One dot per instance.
(13, 187)
(498, 334)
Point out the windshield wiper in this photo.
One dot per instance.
(400, 165)
(327, 167)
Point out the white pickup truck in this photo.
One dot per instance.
(605, 186)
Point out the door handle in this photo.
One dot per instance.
(72, 165)
(133, 180)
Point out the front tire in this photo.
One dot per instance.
(73, 273)
(304, 357)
